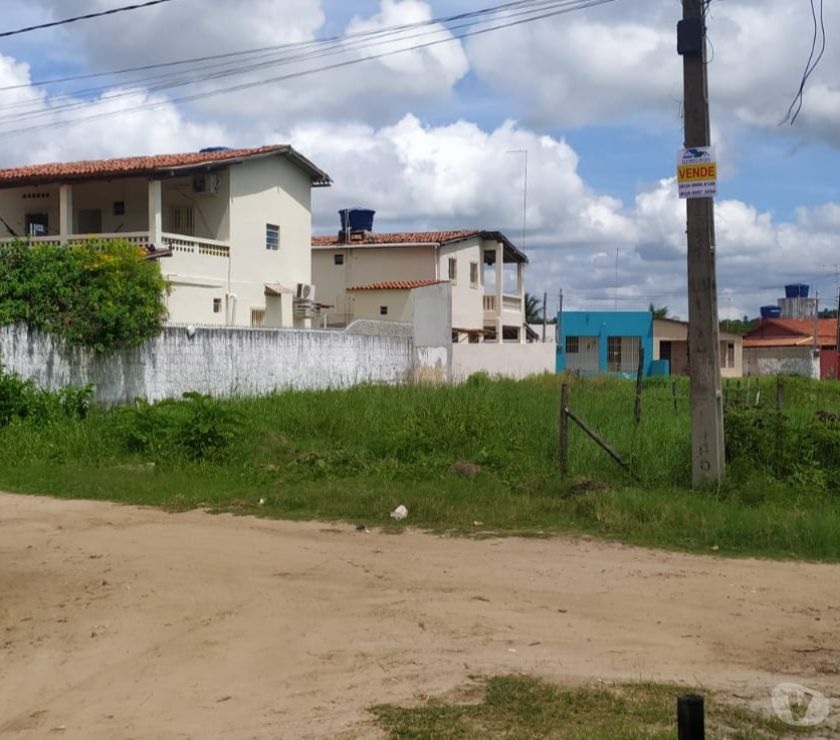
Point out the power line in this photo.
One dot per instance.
(312, 50)
(550, 8)
(795, 107)
(85, 17)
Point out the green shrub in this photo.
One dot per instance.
(22, 399)
(102, 294)
(196, 428)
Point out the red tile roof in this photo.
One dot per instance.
(135, 166)
(399, 237)
(398, 285)
(418, 238)
(791, 333)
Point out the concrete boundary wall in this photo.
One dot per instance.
(222, 361)
(781, 361)
(507, 360)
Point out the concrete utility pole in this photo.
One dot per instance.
(707, 442)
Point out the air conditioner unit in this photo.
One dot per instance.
(207, 184)
(305, 292)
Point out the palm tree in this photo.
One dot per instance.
(533, 309)
(659, 313)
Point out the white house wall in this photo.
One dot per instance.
(17, 202)
(269, 190)
(467, 301)
(211, 210)
(365, 265)
(367, 304)
(503, 359)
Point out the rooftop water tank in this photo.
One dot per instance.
(357, 219)
(211, 149)
(796, 290)
(770, 312)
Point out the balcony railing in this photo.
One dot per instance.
(178, 243)
(509, 303)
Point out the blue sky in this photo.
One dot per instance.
(594, 97)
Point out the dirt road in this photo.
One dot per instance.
(117, 622)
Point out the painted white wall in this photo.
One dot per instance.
(467, 298)
(362, 266)
(262, 191)
(781, 361)
(220, 362)
(366, 304)
(504, 359)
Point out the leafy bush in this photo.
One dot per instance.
(22, 399)
(102, 294)
(197, 428)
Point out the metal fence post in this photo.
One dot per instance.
(691, 723)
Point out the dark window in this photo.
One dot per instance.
(90, 221)
(453, 269)
(383, 310)
(573, 345)
(37, 224)
(217, 305)
(272, 237)
(119, 208)
(338, 259)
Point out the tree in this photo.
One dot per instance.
(659, 313)
(533, 309)
(103, 294)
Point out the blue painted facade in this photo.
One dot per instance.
(588, 325)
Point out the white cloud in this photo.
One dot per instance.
(619, 62)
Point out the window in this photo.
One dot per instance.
(119, 208)
(90, 221)
(572, 345)
(727, 354)
(217, 305)
(272, 237)
(257, 317)
(37, 224)
(473, 274)
(338, 259)
(182, 220)
(453, 269)
(623, 354)
(383, 310)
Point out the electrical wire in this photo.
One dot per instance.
(795, 107)
(313, 49)
(528, 12)
(85, 17)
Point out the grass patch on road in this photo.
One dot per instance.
(476, 458)
(521, 707)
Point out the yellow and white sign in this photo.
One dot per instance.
(697, 172)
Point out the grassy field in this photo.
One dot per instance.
(477, 458)
(521, 707)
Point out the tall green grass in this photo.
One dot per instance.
(355, 454)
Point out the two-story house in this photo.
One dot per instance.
(363, 274)
(232, 227)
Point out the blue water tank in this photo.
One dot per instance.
(211, 149)
(796, 290)
(770, 312)
(356, 219)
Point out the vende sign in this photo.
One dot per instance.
(697, 172)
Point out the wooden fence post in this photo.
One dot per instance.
(674, 394)
(637, 410)
(564, 429)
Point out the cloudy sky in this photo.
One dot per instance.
(434, 138)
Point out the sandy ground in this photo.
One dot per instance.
(118, 622)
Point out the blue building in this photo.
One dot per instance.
(593, 342)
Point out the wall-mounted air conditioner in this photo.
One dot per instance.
(305, 292)
(207, 184)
